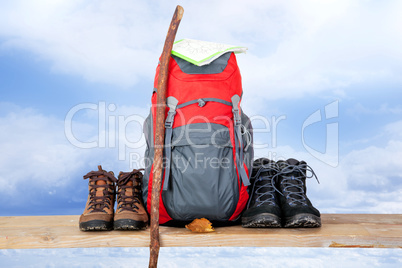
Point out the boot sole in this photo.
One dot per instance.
(263, 220)
(129, 225)
(303, 221)
(96, 225)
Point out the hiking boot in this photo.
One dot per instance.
(98, 213)
(297, 209)
(262, 209)
(130, 211)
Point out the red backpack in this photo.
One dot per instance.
(208, 143)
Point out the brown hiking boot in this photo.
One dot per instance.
(98, 213)
(130, 211)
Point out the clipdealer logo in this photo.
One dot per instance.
(113, 130)
(330, 155)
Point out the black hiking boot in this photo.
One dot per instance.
(297, 209)
(262, 209)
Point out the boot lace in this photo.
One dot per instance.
(292, 183)
(98, 203)
(263, 186)
(127, 202)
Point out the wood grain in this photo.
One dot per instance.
(338, 230)
(160, 135)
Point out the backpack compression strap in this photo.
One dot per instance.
(239, 140)
(172, 104)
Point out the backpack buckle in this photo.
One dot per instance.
(172, 104)
(201, 103)
(235, 104)
(236, 116)
(169, 119)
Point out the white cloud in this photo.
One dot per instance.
(101, 41)
(384, 109)
(332, 45)
(294, 47)
(367, 180)
(37, 155)
(205, 257)
(33, 151)
(38, 158)
(394, 129)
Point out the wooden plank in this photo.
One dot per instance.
(338, 230)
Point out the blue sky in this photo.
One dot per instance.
(76, 79)
(94, 61)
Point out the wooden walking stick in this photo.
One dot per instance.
(160, 135)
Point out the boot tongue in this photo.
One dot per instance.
(264, 185)
(129, 191)
(128, 184)
(99, 191)
(293, 162)
(264, 179)
(128, 188)
(295, 189)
